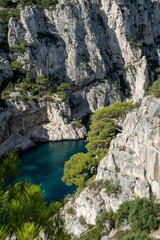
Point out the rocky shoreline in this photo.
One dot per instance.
(21, 129)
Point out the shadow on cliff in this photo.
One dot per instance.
(16, 133)
(107, 43)
(116, 72)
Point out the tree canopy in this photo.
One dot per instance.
(23, 210)
(80, 167)
(103, 126)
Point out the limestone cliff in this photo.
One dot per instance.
(22, 126)
(85, 41)
(132, 163)
(105, 49)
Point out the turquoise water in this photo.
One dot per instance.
(43, 165)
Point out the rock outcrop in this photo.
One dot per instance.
(107, 50)
(86, 41)
(132, 163)
(22, 126)
(102, 48)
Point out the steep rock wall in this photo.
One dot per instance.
(132, 163)
(86, 41)
(101, 47)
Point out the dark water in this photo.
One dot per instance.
(43, 165)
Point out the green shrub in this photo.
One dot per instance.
(139, 213)
(136, 236)
(38, 88)
(155, 88)
(142, 215)
(133, 42)
(63, 86)
(82, 220)
(112, 187)
(6, 14)
(16, 66)
(102, 218)
(77, 123)
(70, 210)
(40, 3)
(63, 95)
(63, 90)
(6, 92)
(138, 44)
(47, 3)
(20, 48)
(29, 88)
(122, 213)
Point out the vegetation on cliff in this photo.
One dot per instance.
(104, 127)
(28, 89)
(140, 214)
(23, 211)
(39, 3)
(155, 88)
(154, 68)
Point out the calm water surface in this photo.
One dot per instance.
(43, 165)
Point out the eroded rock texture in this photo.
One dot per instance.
(132, 163)
(86, 41)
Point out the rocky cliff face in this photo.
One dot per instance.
(22, 126)
(102, 48)
(105, 49)
(84, 41)
(132, 163)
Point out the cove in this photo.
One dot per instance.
(43, 165)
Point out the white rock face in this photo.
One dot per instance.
(15, 32)
(97, 46)
(22, 126)
(82, 37)
(133, 162)
(142, 79)
(136, 151)
(95, 96)
(87, 205)
(15, 142)
(87, 41)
